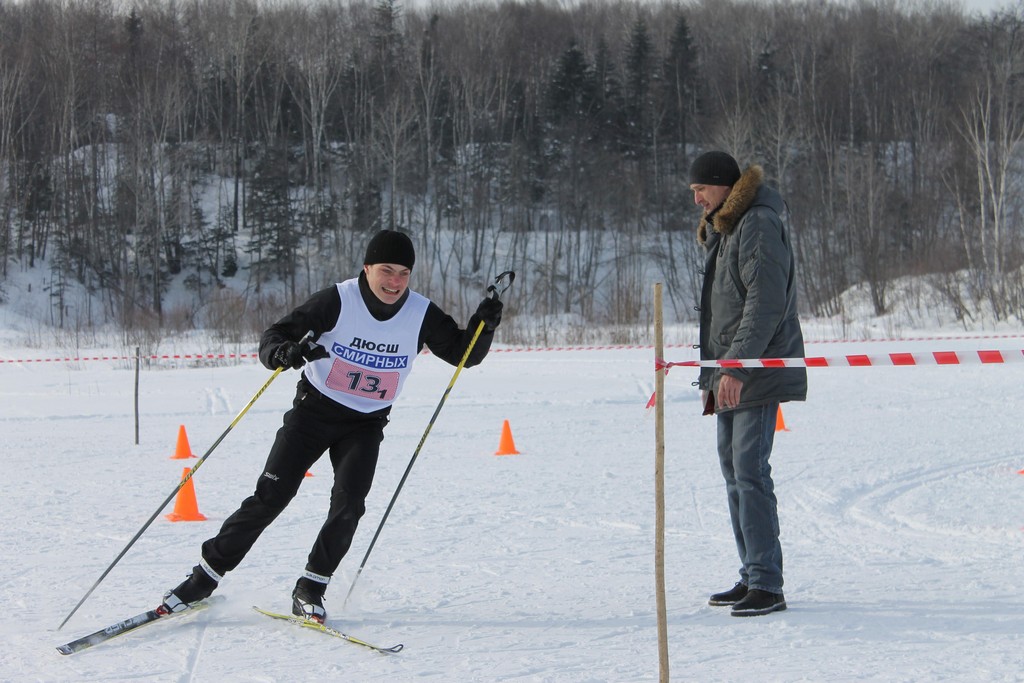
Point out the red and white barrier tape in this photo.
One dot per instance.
(899, 340)
(990, 357)
(182, 356)
(858, 360)
(929, 358)
(233, 356)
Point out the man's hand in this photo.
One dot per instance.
(489, 311)
(289, 355)
(295, 354)
(729, 389)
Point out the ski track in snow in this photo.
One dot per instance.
(900, 507)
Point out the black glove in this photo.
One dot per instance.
(295, 355)
(289, 355)
(489, 311)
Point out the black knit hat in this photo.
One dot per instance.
(714, 168)
(390, 246)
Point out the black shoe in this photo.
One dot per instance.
(198, 586)
(759, 602)
(308, 600)
(729, 597)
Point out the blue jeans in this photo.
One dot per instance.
(745, 438)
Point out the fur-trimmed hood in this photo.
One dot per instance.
(724, 219)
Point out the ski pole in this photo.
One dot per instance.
(494, 293)
(184, 480)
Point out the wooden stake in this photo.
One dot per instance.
(659, 485)
(138, 361)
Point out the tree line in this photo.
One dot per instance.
(237, 142)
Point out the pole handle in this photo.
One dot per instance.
(495, 290)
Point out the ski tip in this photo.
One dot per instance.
(324, 628)
(64, 649)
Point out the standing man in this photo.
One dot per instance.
(368, 331)
(747, 310)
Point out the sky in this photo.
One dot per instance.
(986, 6)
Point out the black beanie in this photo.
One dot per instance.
(714, 168)
(390, 246)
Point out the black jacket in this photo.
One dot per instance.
(439, 333)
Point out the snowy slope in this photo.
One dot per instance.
(900, 505)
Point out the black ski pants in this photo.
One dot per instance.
(314, 425)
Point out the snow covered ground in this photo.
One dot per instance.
(900, 505)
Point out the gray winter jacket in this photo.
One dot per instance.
(748, 297)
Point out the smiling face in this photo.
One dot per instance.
(388, 281)
(710, 197)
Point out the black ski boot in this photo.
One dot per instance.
(308, 600)
(199, 585)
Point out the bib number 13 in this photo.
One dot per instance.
(368, 384)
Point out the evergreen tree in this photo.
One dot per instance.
(680, 84)
(572, 94)
(639, 76)
(276, 233)
(612, 122)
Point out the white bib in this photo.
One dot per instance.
(369, 358)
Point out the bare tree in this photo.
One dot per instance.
(11, 81)
(887, 126)
(993, 128)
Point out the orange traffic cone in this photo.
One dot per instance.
(182, 451)
(185, 508)
(506, 446)
(780, 424)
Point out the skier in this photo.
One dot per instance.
(368, 331)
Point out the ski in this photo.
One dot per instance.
(122, 627)
(316, 626)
